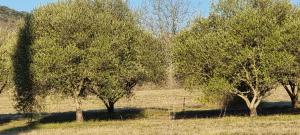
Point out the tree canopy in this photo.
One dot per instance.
(241, 46)
(81, 47)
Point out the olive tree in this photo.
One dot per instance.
(287, 17)
(25, 94)
(290, 78)
(61, 34)
(91, 46)
(122, 56)
(245, 53)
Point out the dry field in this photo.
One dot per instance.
(151, 112)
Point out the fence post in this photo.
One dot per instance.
(183, 104)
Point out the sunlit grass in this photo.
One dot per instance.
(148, 112)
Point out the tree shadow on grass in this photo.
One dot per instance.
(93, 115)
(20, 129)
(277, 108)
(66, 117)
(6, 118)
(265, 109)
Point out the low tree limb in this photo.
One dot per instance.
(2, 87)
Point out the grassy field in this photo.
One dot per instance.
(167, 112)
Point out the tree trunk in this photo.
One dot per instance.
(292, 91)
(79, 114)
(111, 108)
(252, 105)
(253, 112)
(294, 101)
(171, 82)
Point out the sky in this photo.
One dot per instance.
(28, 5)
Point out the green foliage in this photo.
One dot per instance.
(122, 57)
(10, 22)
(246, 49)
(59, 45)
(219, 89)
(7, 43)
(81, 45)
(22, 76)
(291, 42)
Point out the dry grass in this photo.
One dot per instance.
(143, 99)
(152, 117)
(229, 125)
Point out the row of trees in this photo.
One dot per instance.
(77, 48)
(244, 48)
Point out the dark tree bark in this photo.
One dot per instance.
(292, 91)
(111, 108)
(2, 86)
(294, 102)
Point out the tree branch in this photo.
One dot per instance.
(258, 101)
(248, 80)
(287, 90)
(245, 99)
(3, 86)
(293, 87)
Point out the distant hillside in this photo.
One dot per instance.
(10, 15)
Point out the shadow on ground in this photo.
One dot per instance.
(92, 115)
(20, 129)
(265, 109)
(6, 118)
